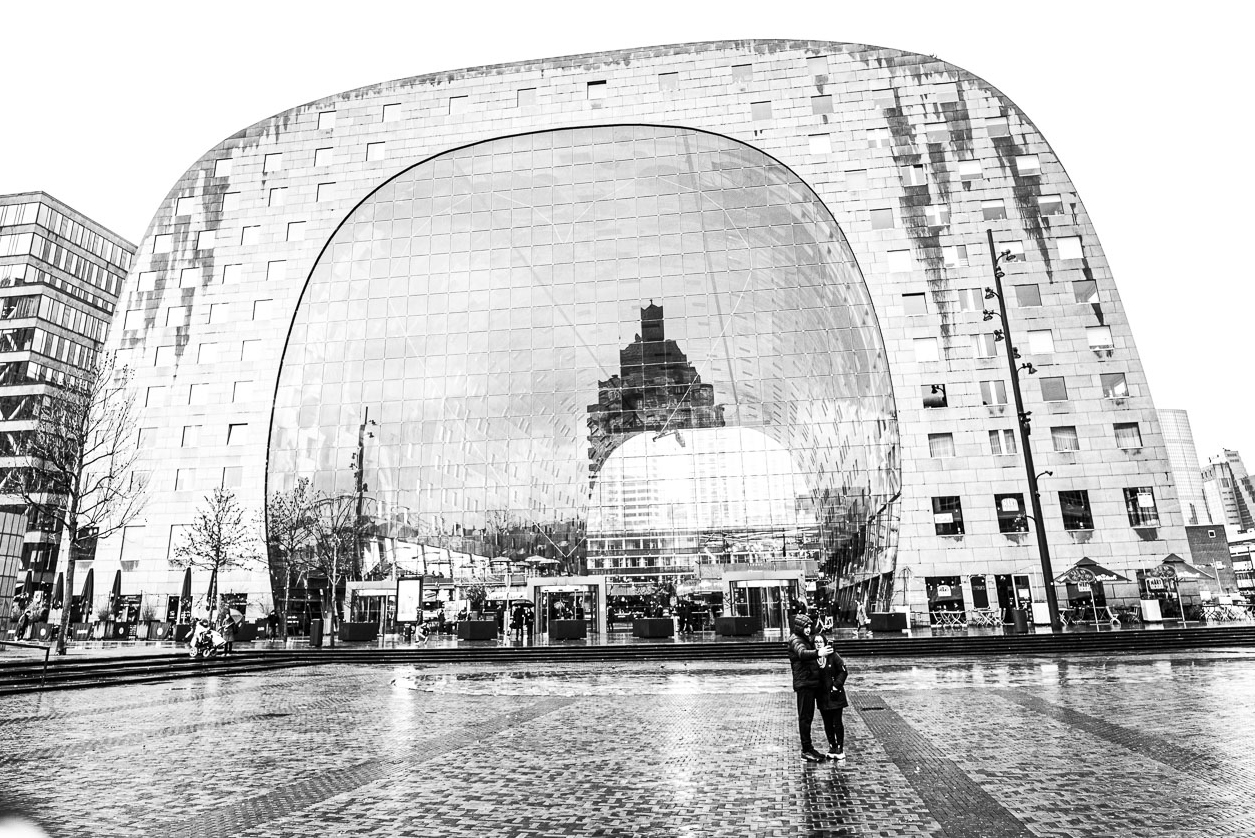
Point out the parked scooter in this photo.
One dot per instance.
(207, 641)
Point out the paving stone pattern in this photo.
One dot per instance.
(1078, 748)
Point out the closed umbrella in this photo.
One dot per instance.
(89, 591)
(28, 585)
(185, 594)
(58, 592)
(115, 595)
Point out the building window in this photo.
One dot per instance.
(250, 350)
(219, 313)
(993, 210)
(993, 392)
(241, 391)
(926, 350)
(459, 104)
(1128, 435)
(324, 157)
(1002, 442)
(971, 299)
(1011, 517)
(819, 144)
(1027, 165)
(1027, 296)
(277, 196)
(235, 433)
(296, 231)
(948, 515)
(185, 206)
(189, 277)
(232, 477)
(326, 120)
(177, 315)
(856, 180)
(1077, 514)
(954, 256)
(934, 395)
(272, 162)
(596, 90)
(937, 132)
(184, 479)
(392, 112)
(1041, 342)
(937, 215)
(1085, 291)
(1114, 385)
(276, 271)
(914, 304)
(901, 261)
(250, 235)
(526, 96)
(191, 436)
(163, 243)
(883, 97)
(941, 445)
(1099, 337)
(882, 219)
(1065, 438)
(222, 167)
(879, 138)
(232, 273)
(155, 396)
(1140, 504)
(742, 72)
(985, 345)
(262, 309)
(1070, 247)
(821, 105)
(760, 111)
(817, 65)
(970, 170)
(1050, 204)
(230, 201)
(376, 152)
(997, 126)
(134, 318)
(668, 81)
(1054, 390)
(325, 192)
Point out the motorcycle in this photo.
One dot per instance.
(206, 641)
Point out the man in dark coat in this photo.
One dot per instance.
(806, 660)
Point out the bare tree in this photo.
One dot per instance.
(78, 464)
(218, 538)
(290, 526)
(334, 557)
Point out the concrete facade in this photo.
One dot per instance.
(914, 158)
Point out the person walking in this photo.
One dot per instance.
(806, 660)
(832, 699)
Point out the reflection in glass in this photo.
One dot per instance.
(630, 350)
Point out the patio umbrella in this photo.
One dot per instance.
(116, 592)
(28, 584)
(1088, 570)
(1175, 567)
(58, 592)
(185, 595)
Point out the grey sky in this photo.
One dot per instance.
(107, 104)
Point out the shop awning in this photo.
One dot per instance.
(1088, 570)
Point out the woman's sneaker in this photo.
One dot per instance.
(836, 752)
(812, 756)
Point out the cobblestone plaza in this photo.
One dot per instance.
(1080, 746)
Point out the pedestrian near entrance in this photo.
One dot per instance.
(806, 660)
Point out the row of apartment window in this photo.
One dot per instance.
(993, 393)
(194, 435)
(197, 394)
(55, 312)
(985, 345)
(59, 256)
(14, 275)
(915, 304)
(276, 271)
(33, 372)
(1077, 514)
(67, 228)
(993, 209)
(1064, 438)
(54, 346)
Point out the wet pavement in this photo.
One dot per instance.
(1080, 747)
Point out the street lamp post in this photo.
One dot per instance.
(1004, 334)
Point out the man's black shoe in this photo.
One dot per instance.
(812, 756)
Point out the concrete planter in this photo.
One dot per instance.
(653, 627)
(477, 630)
(567, 629)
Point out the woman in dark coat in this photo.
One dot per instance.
(832, 700)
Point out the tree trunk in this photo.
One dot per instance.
(287, 587)
(67, 593)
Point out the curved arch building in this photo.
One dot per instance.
(646, 312)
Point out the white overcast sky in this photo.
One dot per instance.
(1147, 105)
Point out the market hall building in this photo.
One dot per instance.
(682, 313)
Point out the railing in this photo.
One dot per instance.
(43, 675)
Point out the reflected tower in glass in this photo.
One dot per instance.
(627, 349)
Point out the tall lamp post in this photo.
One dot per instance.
(1013, 357)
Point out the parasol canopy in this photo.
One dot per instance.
(58, 592)
(540, 560)
(28, 584)
(1175, 567)
(1088, 570)
(116, 591)
(186, 592)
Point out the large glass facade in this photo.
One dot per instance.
(625, 350)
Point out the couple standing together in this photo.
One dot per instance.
(819, 676)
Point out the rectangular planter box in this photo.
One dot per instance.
(43, 632)
(568, 629)
(159, 631)
(736, 626)
(182, 633)
(888, 621)
(653, 627)
(247, 633)
(477, 630)
(352, 631)
(80, 631)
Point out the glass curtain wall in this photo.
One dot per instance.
(620, 350)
